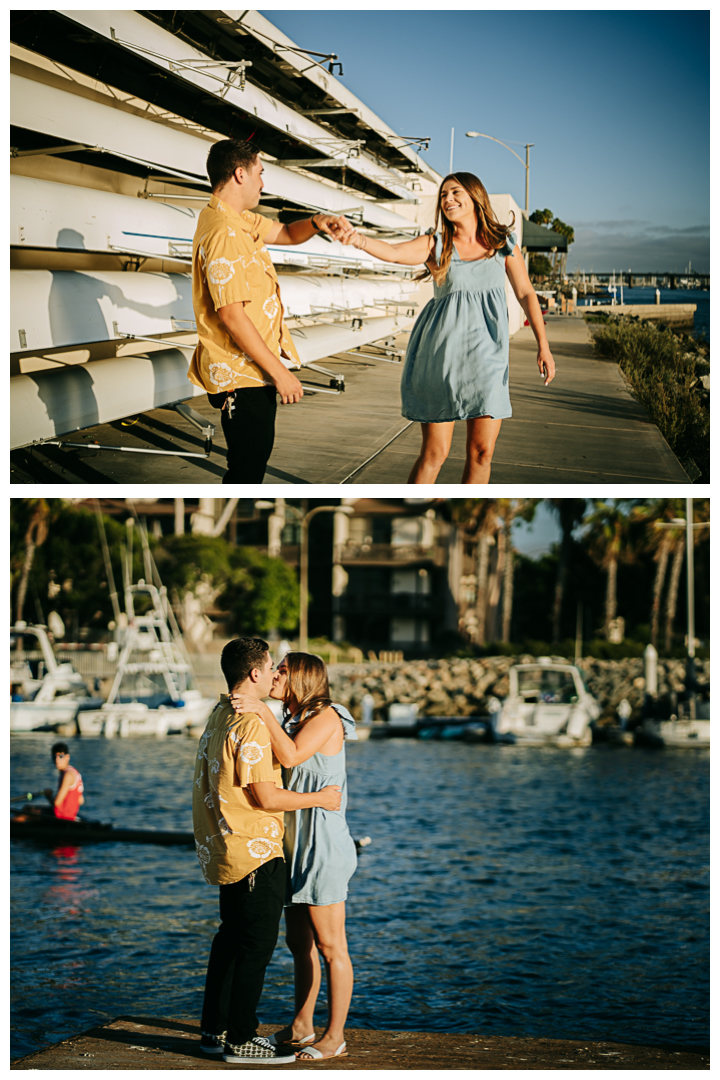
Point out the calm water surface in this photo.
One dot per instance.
(507, 890)
(645, 294)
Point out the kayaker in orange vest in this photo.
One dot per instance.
(68, 798)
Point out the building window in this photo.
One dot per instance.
(409, 631)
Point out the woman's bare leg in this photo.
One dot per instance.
(328, 924)
(482, 433)
(308, 971)
(436, 440)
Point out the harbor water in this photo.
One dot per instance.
(645, 294)
(507, 891)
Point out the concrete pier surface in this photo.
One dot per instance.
(156, 1043)
(586, 427)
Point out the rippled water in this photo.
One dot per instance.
(508, 890)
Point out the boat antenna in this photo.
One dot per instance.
(154, 575)
(108, 563)
(142, 529)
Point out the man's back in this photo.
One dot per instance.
(234, 836)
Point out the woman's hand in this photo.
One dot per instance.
(546, 364)
(355, 239)
(244, 703)
(330, 798)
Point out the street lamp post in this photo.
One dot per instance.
(525, 164)
(304, 520)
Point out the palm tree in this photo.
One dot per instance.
(570, 513)
(663, 540)
(678, 552)
(608, 547)
(477, 520)
(510, 510)
(35, 535)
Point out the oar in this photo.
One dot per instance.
(29, 797)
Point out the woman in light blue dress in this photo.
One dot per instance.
(319, 851)
(457, 359)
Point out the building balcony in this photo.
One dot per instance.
(389, 604)
(355, 554)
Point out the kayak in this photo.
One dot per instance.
(46, 828)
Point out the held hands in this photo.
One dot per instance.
(334, 225)
(330, 798)
(546, 364)
(355, 239)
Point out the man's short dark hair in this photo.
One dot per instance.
(226, 156)
(59, 748)
(240, 657)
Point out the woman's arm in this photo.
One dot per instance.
(310, 738)
(527, 298)
(282, 745)
(410, 253)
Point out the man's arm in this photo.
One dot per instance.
(67, 783)
(272, 798)
(299, 231)
(247, 337)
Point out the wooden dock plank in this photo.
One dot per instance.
(159, 1044)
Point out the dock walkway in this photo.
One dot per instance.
(586, 427)
(153, 1043)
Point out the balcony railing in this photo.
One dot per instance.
(389, 604)
(392, 553)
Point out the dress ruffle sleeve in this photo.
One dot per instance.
(509, 245)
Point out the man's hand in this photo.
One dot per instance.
(330, 798)
(288, 387)
(334, 225)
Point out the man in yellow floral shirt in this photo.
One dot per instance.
(238, 804)
(242, 339)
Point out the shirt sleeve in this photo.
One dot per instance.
(253, 754)
(262, 226)
(226, 254)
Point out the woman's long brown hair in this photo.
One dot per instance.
(307, 682)
(490, 233)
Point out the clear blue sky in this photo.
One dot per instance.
(616, 103)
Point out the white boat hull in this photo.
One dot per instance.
(126, 720)
(688, 734)
(33, 716)
(46, 404)
(75, 119)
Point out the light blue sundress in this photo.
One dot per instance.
(457, 358)
(319, 850)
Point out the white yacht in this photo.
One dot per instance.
(153, 691)
(49, 696)
(547, 704)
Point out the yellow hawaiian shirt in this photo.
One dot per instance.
(232, 265)
(234, 836)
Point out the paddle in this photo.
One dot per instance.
(29, 797)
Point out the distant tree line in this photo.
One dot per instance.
(622, 557)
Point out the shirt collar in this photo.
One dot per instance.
(245, 220)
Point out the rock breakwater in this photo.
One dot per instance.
(461, 687)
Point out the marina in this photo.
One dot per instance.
(535, 941)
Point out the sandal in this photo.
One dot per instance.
(317, 1055)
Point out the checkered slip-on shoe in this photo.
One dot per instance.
(256, 1051)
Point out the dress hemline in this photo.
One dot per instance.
(453, 419)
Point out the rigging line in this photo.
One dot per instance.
(377, 453)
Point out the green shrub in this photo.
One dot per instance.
(662, 367)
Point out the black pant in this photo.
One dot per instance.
(248, 423)
(241, 951)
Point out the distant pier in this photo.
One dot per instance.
(152, 1043)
